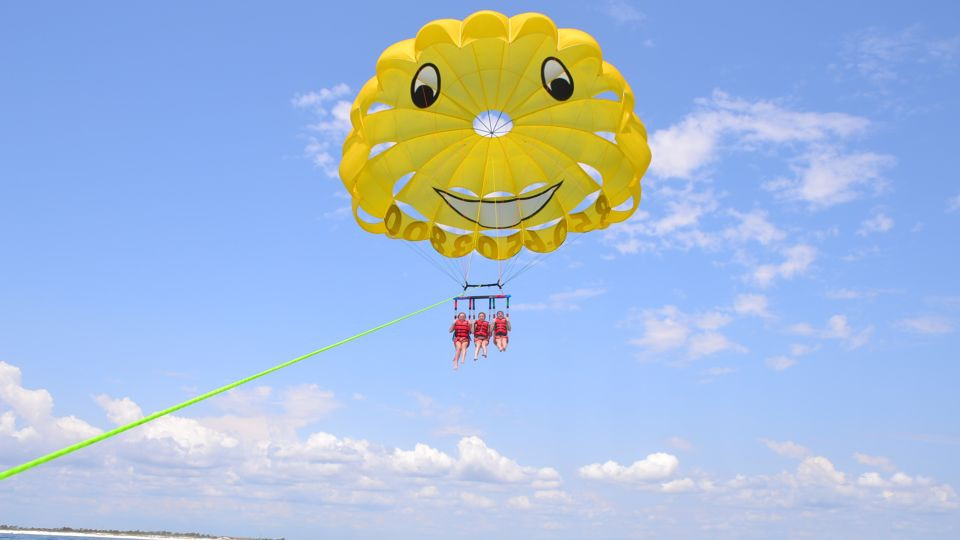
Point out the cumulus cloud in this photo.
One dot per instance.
(653, 468)
(257, 450)
(814, 482)
(817, 481)
(678, 486)
(31, 423)
(818, 470)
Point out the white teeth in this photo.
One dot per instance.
(501, 213)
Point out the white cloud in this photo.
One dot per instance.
(788, 449)
(421, 461)
(839, 328)
(683, 149)
(881, 55)
(678, 486)
(668, 328)
(818, 470)
(826, 177)
(874, 461)
(800, 349)
(751, 304)
(479, 462)
(120, 411)
(521, 502)
(797, 261)
(710, 343)
(753, 226)
(677, 226)
(654, 467)
(872, 480)
(817, 481)
(623, 12)
(327, 133)
(953, 204)
(802, 329)
(306, 403)
(855, 294)
(42, 430)
(878, 223)
(680, 443)
(563, 301)
(476, 501)
(719, 371)
(926, 324)
(552, 496)
(780, 363)
(313, 476)
(663, 330)
(427, 492)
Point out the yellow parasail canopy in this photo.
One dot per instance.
(492, 134)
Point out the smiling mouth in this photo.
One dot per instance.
(499, 213)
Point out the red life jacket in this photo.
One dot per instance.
(461, 329)
(482, 330)
(500, 326)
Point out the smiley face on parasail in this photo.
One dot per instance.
(493, 134)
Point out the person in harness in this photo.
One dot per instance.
(501, 326)
(461, 338)
(481, 335)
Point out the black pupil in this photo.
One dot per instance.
(423, 96)
(561, 89)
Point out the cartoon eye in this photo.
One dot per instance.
(556, 79)
(425, 88)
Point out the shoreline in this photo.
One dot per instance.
(40, 532)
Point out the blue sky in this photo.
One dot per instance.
(767, 349)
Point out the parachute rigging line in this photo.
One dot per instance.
(118, 430)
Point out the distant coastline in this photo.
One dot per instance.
(131, 535)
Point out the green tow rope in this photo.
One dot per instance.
(116, 431)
